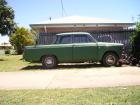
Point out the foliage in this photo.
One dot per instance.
(134, 38)
(7, 51)
(135, 41)
(6, 18)
(20, 38)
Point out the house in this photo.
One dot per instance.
(100, 28)
(5, 46)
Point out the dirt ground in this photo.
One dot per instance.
(70, 76)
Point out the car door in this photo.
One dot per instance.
(84, 48)
(64, 52)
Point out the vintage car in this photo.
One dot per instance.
(74, 47)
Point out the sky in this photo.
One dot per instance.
(33, 11)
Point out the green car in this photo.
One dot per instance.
(74, 47)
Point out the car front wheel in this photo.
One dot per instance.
(110, 59)
(49, 62)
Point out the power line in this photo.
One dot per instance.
(63, 9)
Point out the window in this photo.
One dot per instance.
(82, 39)
(65, 39)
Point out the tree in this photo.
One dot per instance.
(6, 18)
(22, 37)
(135, 37)
(135, 41)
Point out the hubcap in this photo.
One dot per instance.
(49, 61)
(110, 60)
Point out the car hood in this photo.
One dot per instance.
(109, 44)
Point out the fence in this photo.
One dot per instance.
(114, 36)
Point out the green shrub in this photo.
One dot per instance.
(20, 38)
(7, 51)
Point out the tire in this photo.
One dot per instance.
(110, 59)
(49, 62)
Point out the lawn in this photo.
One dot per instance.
(13, 63)
(96, 96)
(9, 63)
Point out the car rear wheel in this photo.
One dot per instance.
(110, 59)
(49, 62)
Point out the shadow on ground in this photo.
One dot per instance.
(2, 60)
(63, 66)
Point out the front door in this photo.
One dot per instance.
(64, 48)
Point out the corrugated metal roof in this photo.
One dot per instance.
(80, 22)
(78, 19)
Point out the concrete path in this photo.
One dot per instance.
(75, 78)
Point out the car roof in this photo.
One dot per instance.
(75, 33)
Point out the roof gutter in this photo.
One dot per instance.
(81, 25)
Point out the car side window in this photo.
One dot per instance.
(66, 39)
(82, 39)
